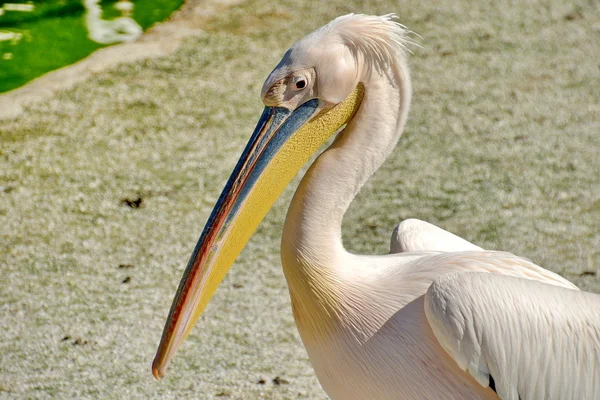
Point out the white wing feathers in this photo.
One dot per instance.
(417, 235)
(537, 341)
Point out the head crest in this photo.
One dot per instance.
(380, 40)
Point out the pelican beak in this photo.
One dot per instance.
(281, 143)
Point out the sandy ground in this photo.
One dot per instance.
(105, 185)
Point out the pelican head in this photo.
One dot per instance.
(314, 91)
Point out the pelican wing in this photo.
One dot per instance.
(526, 338)
(416, 235)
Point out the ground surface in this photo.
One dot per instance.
(501, 148)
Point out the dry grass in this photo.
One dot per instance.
(501, 148)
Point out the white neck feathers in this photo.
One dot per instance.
(312, 249)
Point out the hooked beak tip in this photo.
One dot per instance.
(157, 372)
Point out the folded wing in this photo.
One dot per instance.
(529, 339)
(416, 235)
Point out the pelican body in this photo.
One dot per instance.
(439, 317)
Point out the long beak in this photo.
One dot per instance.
(282, 142)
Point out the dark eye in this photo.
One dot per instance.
(300, 84)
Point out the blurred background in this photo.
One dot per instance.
(106, 183)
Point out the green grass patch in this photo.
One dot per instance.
(54, 34)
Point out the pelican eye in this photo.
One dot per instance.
(300, 84)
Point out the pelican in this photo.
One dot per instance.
(439, 317)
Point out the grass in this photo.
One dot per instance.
(55, 35)
(501, 148)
